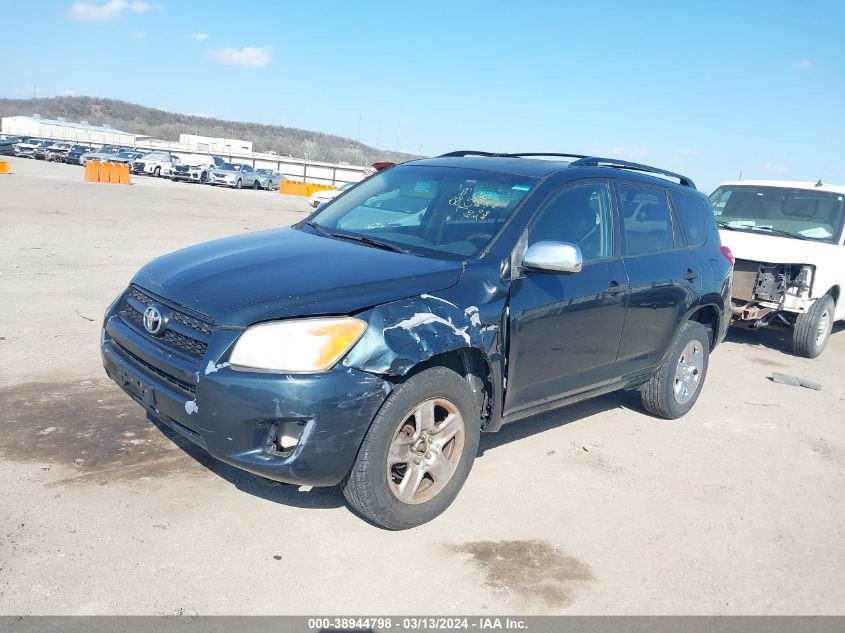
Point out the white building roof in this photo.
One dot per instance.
(78, 126)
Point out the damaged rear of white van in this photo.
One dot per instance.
(787, 239)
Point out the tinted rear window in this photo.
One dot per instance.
(693, 213)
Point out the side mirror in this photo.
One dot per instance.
(560, 257)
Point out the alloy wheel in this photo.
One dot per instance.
(688, 372)
(425, 451)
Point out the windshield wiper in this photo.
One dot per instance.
(751, 228)
(320, 230)
(780, 233)
(370, 241)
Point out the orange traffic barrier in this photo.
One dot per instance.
(123, 173)
(295, 188)
(100, 171)
(4, 167)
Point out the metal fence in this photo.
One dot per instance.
(290, 167)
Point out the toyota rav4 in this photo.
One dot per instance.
(371, 344)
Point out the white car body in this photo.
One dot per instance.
(163, 161)
(769, 284)
(194, 169)
(322, 197)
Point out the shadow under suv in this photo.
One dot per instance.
(371, 344)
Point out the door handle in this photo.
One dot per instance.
(690, 275)
(614, 288)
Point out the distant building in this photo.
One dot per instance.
(215, 144)
(64, 130)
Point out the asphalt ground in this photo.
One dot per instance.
(594, 509)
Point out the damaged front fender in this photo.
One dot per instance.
(405, 333)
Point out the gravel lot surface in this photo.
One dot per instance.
(595, 509)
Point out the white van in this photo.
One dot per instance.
(790, 260)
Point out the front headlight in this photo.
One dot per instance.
(297, 346)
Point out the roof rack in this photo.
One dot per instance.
(594, 161)
(466, 152)
(533, 154)
(473, 152)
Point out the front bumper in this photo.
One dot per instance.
(234, 414)
(186, 176)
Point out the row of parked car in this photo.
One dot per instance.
(213, 171)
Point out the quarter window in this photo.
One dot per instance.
(692, 211)
(579, 215)
(646, 220)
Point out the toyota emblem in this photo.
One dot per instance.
(153, 320)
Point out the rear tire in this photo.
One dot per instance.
(674, 388)
(813, 327)
(418, 451)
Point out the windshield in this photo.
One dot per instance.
(265, 172)
(802, 213)
(437, 211)
(229, 167)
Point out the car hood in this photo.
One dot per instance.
(241, 280)
(774, 249)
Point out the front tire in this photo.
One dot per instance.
(813, 327)
(418, 451)
(674, 388)
(157, 172)
(239, 184)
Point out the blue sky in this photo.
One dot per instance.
(708, 88)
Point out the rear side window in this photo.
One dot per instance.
(693, 212)
(646, 219)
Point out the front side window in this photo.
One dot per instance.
(579, 215)
(438, 211)
(784, 211)
(646, 219)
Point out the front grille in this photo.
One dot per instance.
(139, 166)
(194, 345)
(174, 339)
(187, 387)
(182, 169)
